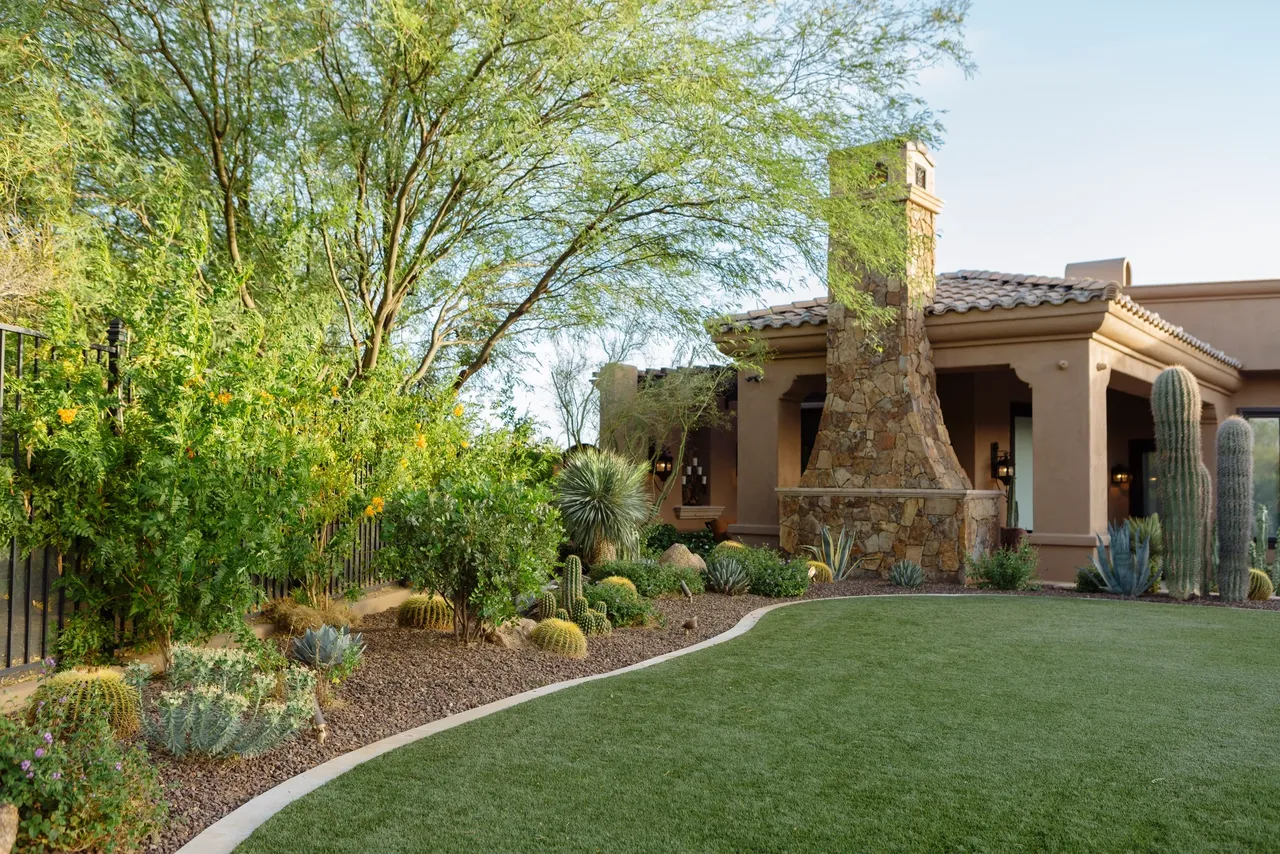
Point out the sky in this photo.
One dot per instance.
(1138, 128)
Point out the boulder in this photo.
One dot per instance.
(512, 635)
(8, 827)
(679, 555)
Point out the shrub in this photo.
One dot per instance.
(98, 693)
(75, 787)
(623, 606)
(83, 640)
(768, 573)
(482, 541)
(651, 578)
(1087, 580)
(656, 539)
(218, 704)
(1005, 569)
(906, 573)
(426, 612)
(726, 575)
(294, 617)
(560, 637)
(602, 502)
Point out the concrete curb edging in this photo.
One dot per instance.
(224, 835)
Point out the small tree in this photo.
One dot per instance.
(481, 542)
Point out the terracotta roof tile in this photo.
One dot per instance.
(983, 290)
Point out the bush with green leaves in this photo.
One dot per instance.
(483, 542)
(602, 502)
(769, 572)
(623, 606)
(75, 786)
(651, 578)
(217, 703)
(1005, 569)
(658, 537)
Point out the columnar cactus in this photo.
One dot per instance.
(1235, 507)
(570, 582)
(1184, 507)
(578, 610)
(560, 637)
(546, 605)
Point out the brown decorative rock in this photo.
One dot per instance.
(512, 635)
(679, 555)
(8, 828)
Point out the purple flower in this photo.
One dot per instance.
(48, 738)
(41, 706)
(50, 661)
(117, 766)
(57, 775)
(26, 763)
(30, 774)
(62, 699)
(39, 752)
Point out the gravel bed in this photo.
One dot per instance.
(410, 677)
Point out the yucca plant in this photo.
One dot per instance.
(836, 552)
(1126, 570)
(726, 575)
(602, 503)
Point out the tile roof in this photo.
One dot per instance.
(984, 290)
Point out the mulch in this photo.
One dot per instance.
(411, 677)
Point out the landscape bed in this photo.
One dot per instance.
(411, 677)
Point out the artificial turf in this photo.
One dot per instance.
(875, 724)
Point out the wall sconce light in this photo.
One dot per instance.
(663, 466)
(1120, 474)
(1001, 464)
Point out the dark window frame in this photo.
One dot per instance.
(1248, 412)
(1137, 449)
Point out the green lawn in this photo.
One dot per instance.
(912, 724)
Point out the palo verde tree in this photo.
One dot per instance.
(468, 172)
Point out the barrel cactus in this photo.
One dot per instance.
(619, 581)
(1184, 503)
(596, 623)
(546, 608)
(1260, 586)
(91, 694)
(906, 573)
(1235, 507)
(561, 614)
(426, 612)
(821, 572)
(560, 637)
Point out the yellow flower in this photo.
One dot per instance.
(333, 391)
(377, 504)
(465, 444)
(421, 441)
(224, 398)
(68, 415)
(369, 511)
(404, 464)
(457, 411)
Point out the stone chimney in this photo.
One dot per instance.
(882, 464)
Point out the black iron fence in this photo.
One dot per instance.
(35, 607)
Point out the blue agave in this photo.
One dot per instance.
(1126, 570)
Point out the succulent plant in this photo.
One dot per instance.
(836, 551)
(1260, 586)
(596, 623)
(426, 612)
(560, 637)
(620, 581)
(821, 572)
(546, 605)
(601, 606)
(570, 582)
(327, 647)
(1184, 498)
(603, 500)
(561, 614)
(92, 693)
(1124, 569)
(906, 573)
(1148, 528)
(1235, 507)
(727, 575)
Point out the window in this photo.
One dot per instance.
(922, 177)
(1266, 462)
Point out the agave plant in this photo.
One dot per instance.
(906, 573)
(726, 575)
(602, 502)
(328, 647)
(1126, 570)
(836, 552)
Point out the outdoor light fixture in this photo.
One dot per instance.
(1120, 474)
(663, 466)
(1001, 464)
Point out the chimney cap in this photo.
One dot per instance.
(1107, 270)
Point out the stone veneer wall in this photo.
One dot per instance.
(882, 463)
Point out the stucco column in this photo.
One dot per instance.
(759, 400)
(1069, 439)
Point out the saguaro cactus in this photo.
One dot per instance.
(1235, 507)
(1184, 503)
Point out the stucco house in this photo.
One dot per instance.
(1049, 374)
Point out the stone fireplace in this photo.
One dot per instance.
(882, 465)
